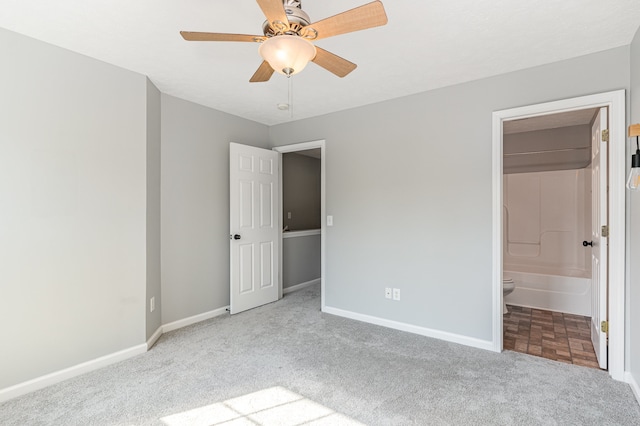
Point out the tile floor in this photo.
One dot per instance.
(553, 335)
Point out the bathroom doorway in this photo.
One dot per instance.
(547, 206)
(552, 171)
(302, 183)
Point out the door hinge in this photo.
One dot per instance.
(604, 326)
(604, 231)
(605, 135)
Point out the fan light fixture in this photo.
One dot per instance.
(286, 47)
(287, 54)
(633, 183)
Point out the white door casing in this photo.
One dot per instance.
(599, 261)
(254, 233)
(617, 166)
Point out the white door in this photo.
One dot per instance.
(254, 233)
(599, 259)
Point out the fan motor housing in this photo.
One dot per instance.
(297, 17)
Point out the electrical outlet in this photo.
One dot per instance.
(396, 294)
(387, 292)
(152, 304)
(288, 215)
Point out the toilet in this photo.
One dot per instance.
(507, 287)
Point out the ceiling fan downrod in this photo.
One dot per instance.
(292, 3)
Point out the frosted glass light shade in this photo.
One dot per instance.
(634, 174)
(287, 54)
(634, 179)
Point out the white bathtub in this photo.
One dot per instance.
(566, 291)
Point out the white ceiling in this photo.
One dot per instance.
(426, 45)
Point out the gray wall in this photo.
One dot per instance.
(409, 183)
(153, 209)
(79, 178)
(195, 204)
(300, 260)
(300, 191)
(72, 208)
(633, 292)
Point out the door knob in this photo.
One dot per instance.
(587, 243)
(236, 236)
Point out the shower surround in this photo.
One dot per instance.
(547, 216)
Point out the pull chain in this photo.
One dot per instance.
(290, 96)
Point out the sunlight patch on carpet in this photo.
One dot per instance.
(273, 406)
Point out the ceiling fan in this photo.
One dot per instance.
(286, 44)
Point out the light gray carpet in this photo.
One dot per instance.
(346, 371)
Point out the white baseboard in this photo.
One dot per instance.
(634, 385)
(301, 286)
(194, 319)
(442, 335)
(68, 373)
(85, 367)
(154, 338)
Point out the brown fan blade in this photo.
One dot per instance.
(196, 36)
(274, 11)
(333, 63)
(368, 16)
(263, 73)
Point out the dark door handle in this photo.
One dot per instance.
(237, 237)
(587, 243)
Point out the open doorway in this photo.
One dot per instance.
(301, 230)
(551, 218)
(614, 102)
(302, 183)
